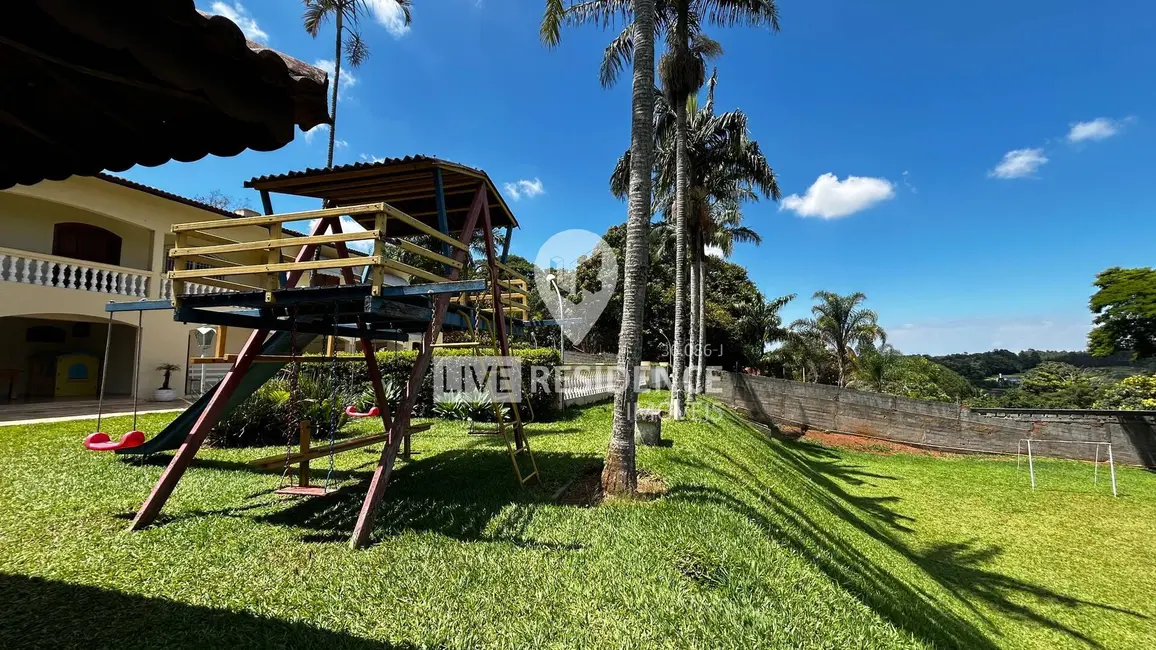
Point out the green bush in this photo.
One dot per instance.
(268, 416)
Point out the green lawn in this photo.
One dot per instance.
(759, 543)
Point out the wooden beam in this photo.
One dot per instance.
(329, 178)
(401, 267)
(338, 447)
(222, 335)
(266, 244)
(406, 245)
(280, 218)
(275, 268)
(394, 213)
(220, 284)
(211, 238)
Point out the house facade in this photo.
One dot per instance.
(69, 247)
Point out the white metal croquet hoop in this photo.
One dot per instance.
(1095, 471)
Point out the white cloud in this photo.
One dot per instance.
(1019, 163)
(348, 79)
(830, 198)
(237, 13)
(340, 144)
(370, 158)
(526, 188)
(390, 15)
(319, 129)
(714, 251)
(1100, 128)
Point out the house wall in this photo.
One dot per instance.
(29, 222)
(939, 424)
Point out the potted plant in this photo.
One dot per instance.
(164, 393)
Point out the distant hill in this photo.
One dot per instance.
(978, 367)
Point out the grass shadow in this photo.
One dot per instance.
(465, 494)
(39, 613)
(802, 522)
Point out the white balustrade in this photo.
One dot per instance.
(50, 271)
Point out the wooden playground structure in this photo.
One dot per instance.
(406, 206)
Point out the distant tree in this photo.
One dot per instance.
(843, 325)
(221, 201)
(1136, 393)
(1125, 308)
(760, 325)
(348, 44)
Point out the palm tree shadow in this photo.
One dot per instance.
(957, 567)
(466, 494)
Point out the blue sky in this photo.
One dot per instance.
(1001, 152)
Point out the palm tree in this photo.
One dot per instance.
(843, 326)
(346, 15)
(760, 325)
(875, 369)
(728, 168)
(683, 71)
(803, 352)
(619, 474)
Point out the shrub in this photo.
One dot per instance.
(267, 417)
(1136, 393)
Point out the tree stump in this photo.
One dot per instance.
(648, 427)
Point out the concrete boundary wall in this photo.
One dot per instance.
(940, 424)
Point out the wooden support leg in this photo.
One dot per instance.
(188, 450)
(364, 527)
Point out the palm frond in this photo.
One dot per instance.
(618, 54)
(726, 13)
(356, 51)
(317, 13)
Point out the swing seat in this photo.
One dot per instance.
(100, 441)
(352, 412)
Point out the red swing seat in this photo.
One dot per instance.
(352, 412)
(100, 441)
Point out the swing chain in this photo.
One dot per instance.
(334, 409)
(294, 423)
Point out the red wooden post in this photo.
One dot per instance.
(364, 527)
(499, 308)
(188, 449)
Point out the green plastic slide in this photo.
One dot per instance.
(173, 435)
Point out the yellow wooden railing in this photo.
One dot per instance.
(220, 271)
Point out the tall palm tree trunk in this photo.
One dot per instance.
(682, 183)
(694, 315)
(339, 19)
(619, 475)
(700, 302)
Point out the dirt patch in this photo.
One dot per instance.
(858, 443)
(586, 490)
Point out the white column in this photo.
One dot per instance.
(67, 276)
(45, 266)
(24, 271)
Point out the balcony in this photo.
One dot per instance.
(44, 270)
